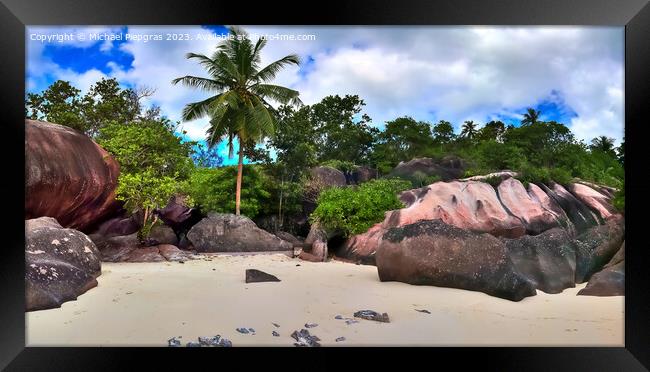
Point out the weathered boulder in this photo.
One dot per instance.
(519, 203)
(610, 281)
(597, 246)
(595, 200)
(67, 176)
(116, 248)
(448, 168)
(60, 264)
(581, 217)
(435, 253)
(547, 260)
(145, 254)
(468, 205)
(177, 215)
(120, 225)
(362, 174)
(172, 253)
(328, 176)
(220, 232)
(551, 206)
(361, 248)
(162, 234)
(296, 242)
(607, 282)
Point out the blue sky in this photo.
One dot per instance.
(572, 74)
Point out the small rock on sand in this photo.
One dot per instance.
(257, 276)
(372, 315)
(303, 338)
(339, 339)
(423, 311)
(276, 325)
(311, 325)
(173, 342)
(242, 330)
(276, 334)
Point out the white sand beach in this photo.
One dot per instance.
(145, 304)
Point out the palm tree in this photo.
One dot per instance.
(239, 107)
(603, 143)
(469, 129)
(531, 117)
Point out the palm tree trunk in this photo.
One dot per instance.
(240, 169)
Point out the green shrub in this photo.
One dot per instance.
(619, 199)
(213, 190)
(353, 210)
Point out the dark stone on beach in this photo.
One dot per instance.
(173, 342)
(257, 276)
(432, 252)
(251, 330)
(372, 315)
(115, 248)
(276, 334)
(148, 254)
(161, 234)
(242, 330)
(311, 325)
(303, 338)
(215, 341)
(276, 325)
(60, 264)
(297, 264)
(351, 321)
(610, 281)
(547, 260)
(597, 246)
(339, 339)
(338, 317)
(193, 344)
(423, 311)
(172, 253)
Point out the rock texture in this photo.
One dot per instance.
(450, 167)
(328, 176)
(257, 276)
(511, 211)
(547, 260)
(67, 176)
(611, 280)
(161, 234)
(519, 203)
(60, 264)
(597, 246)
(435, 253)
(230, 233)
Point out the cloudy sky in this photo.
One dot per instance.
(572, 74)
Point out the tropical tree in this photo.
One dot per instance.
(531, 117)
(239, 108)
(604, 144)
(469, 129)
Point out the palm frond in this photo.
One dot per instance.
(277, 93)
(269, 72)
(209, 85)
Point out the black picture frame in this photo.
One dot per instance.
(633, 14)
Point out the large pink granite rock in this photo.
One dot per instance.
(593, 199)
(529, 210)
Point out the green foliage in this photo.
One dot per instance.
(530, 174)
(401, 140)
(619, 198)
(212, 190)
(151, 144)
(104, 103)
(443, 132)
(145, 191)
(354, 210)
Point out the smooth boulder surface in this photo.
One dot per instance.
(162, 234)
(60, 264)
(220, 232)
(547, 260)
(328, 176)
(119, 226)
(257, 276)
(435, 253)
(67, 176)
(597, 246)
(116, 248)
(515, 198)
(595, 200)
(610, 281)
(469, 205)
(177, 215)
(581, 217)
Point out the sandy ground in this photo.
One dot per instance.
(145, 304)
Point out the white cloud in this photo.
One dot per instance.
(430, 73)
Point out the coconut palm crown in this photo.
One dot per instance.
(240, 93)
